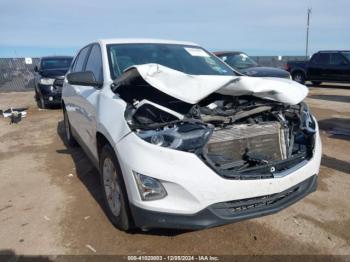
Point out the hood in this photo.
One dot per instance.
(193, 88)
(265, 72)
(53, 73)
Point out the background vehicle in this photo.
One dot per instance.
(181, 141)
(324, 66)
(49, 78)
(247, 66)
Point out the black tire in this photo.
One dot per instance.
(316, 83)
(41, 102)
(122, 219)
(70, 140)
(299, 77)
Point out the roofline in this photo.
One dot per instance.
(227, 52)
(333, 51)
(142, 41)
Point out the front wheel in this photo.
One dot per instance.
(114, 190)
(299, 77)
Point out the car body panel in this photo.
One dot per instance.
(193, 88)
(324, 69)
(254, 69)
(192, 185)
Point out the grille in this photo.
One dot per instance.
(249, 205)
(58, 82)
(266, 140)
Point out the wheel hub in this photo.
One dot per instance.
(112, 189)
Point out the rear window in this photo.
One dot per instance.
(55, 63)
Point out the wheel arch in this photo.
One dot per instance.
(298, 70)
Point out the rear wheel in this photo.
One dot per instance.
(114, 191)
(299, 77)
(316, 83)
(68, 131)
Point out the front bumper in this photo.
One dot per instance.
(226, 212)
(194, 190)
(51, 96)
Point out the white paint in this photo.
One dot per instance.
(191, 185)
(196, 52)
(193, 88)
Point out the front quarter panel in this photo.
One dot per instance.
(111, 122)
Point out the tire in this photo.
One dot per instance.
(41, 102)
(114, 191)
(299, 77)
(70, 140)
(316, 83)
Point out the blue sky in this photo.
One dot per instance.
(258, 27)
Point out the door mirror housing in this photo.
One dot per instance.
(86, 78)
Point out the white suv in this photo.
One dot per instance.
(181, 140)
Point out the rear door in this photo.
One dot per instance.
(88, 100)
(339, 68)
(318, 67)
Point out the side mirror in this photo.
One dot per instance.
(86, 78)
(36, 69)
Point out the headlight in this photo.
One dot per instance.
(306, 121)
(149, 187)
(184, 136)
(47, 81)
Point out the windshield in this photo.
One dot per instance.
(191, 60)
(55, 63)
(239, 61)
(347, 55)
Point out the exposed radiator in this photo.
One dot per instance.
(266, 140)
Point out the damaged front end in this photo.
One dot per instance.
(243, 136)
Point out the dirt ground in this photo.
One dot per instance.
(50, 199)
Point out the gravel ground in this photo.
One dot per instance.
(50, 199)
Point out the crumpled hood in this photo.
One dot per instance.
(193, 88)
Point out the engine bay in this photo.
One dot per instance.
(239, 137)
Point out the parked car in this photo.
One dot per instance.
(242, 63)
(181, 141)
(49, 78)
(324, 66)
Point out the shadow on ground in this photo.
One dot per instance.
(336, 164)
(335, 98)
(330, 86)
(338, 128)
(10, 255)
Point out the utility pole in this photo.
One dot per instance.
(307, 32)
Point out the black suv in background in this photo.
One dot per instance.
(324, 66)
(49, 78)
(242, 63)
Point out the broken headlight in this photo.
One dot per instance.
(307, 122)
(184, 136)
